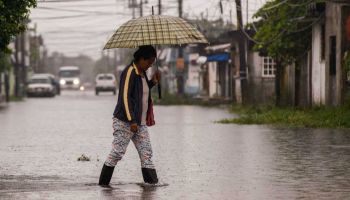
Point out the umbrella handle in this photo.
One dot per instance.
(159, 91)
(157, 65)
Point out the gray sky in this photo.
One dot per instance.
(76, 27)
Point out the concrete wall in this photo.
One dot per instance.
(318, 69)
(303, 85)
(192, 82)
(333, 82)
(213, 79)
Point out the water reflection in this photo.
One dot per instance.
(314, 163)
(129, 191)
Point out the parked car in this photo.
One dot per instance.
(105, 83)
(41, 85)
(54, 82)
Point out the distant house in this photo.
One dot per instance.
(260, 70)
(321, 76)
(330, 44)
(193, 75)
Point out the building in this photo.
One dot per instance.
(322, 76)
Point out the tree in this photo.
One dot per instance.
(13, 19)
(284, 33)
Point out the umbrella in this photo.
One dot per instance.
(155, 30)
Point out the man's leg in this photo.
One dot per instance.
(122, 136)
(142, 142)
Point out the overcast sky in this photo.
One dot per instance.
(76, 27)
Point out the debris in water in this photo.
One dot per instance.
(83, 158)
(149, 185)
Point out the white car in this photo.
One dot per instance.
(40, 85)
(105, 83)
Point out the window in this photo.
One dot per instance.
(333, 56)
(105, 78)
(39, 80)
(268, 67)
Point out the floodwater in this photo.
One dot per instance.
(42, 138)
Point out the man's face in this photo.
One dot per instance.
(147, 63)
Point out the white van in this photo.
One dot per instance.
(105, 83)
(69, 77)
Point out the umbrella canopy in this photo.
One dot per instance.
(155, 30)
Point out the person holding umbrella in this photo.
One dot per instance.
(134, 110)
(132, 114)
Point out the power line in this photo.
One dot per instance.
(63, 1)
(60, 17)
(80, 11)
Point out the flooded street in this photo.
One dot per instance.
(42, 138)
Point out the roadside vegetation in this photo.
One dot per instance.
(318, 117)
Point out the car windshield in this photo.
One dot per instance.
(105, 77)
(39, 80)
(69, 73)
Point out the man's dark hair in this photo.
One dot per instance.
(145, 52)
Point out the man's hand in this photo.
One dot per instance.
(133, 127)
(156, 77)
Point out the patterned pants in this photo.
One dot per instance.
(122, 136)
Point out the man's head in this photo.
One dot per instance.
(145, 56)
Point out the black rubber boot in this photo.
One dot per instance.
(149, 175)
(106, 175)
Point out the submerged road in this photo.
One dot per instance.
(42, 138)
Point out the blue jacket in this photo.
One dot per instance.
(129, 106)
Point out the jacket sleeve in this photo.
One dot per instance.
(128, 97)
(150, 82)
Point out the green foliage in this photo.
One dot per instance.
(284, 29)
(347, 61)
(13, 19)
(319, 117)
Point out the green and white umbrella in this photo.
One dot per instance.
(155, 30)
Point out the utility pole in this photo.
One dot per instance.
(181, 63)
(180, 8)
(23, 63)
(159, 7)
(132, 5)
(7, 87)
(115, 60)
(141, 8)
(247, 10)
(241, 90)
(16, 67)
